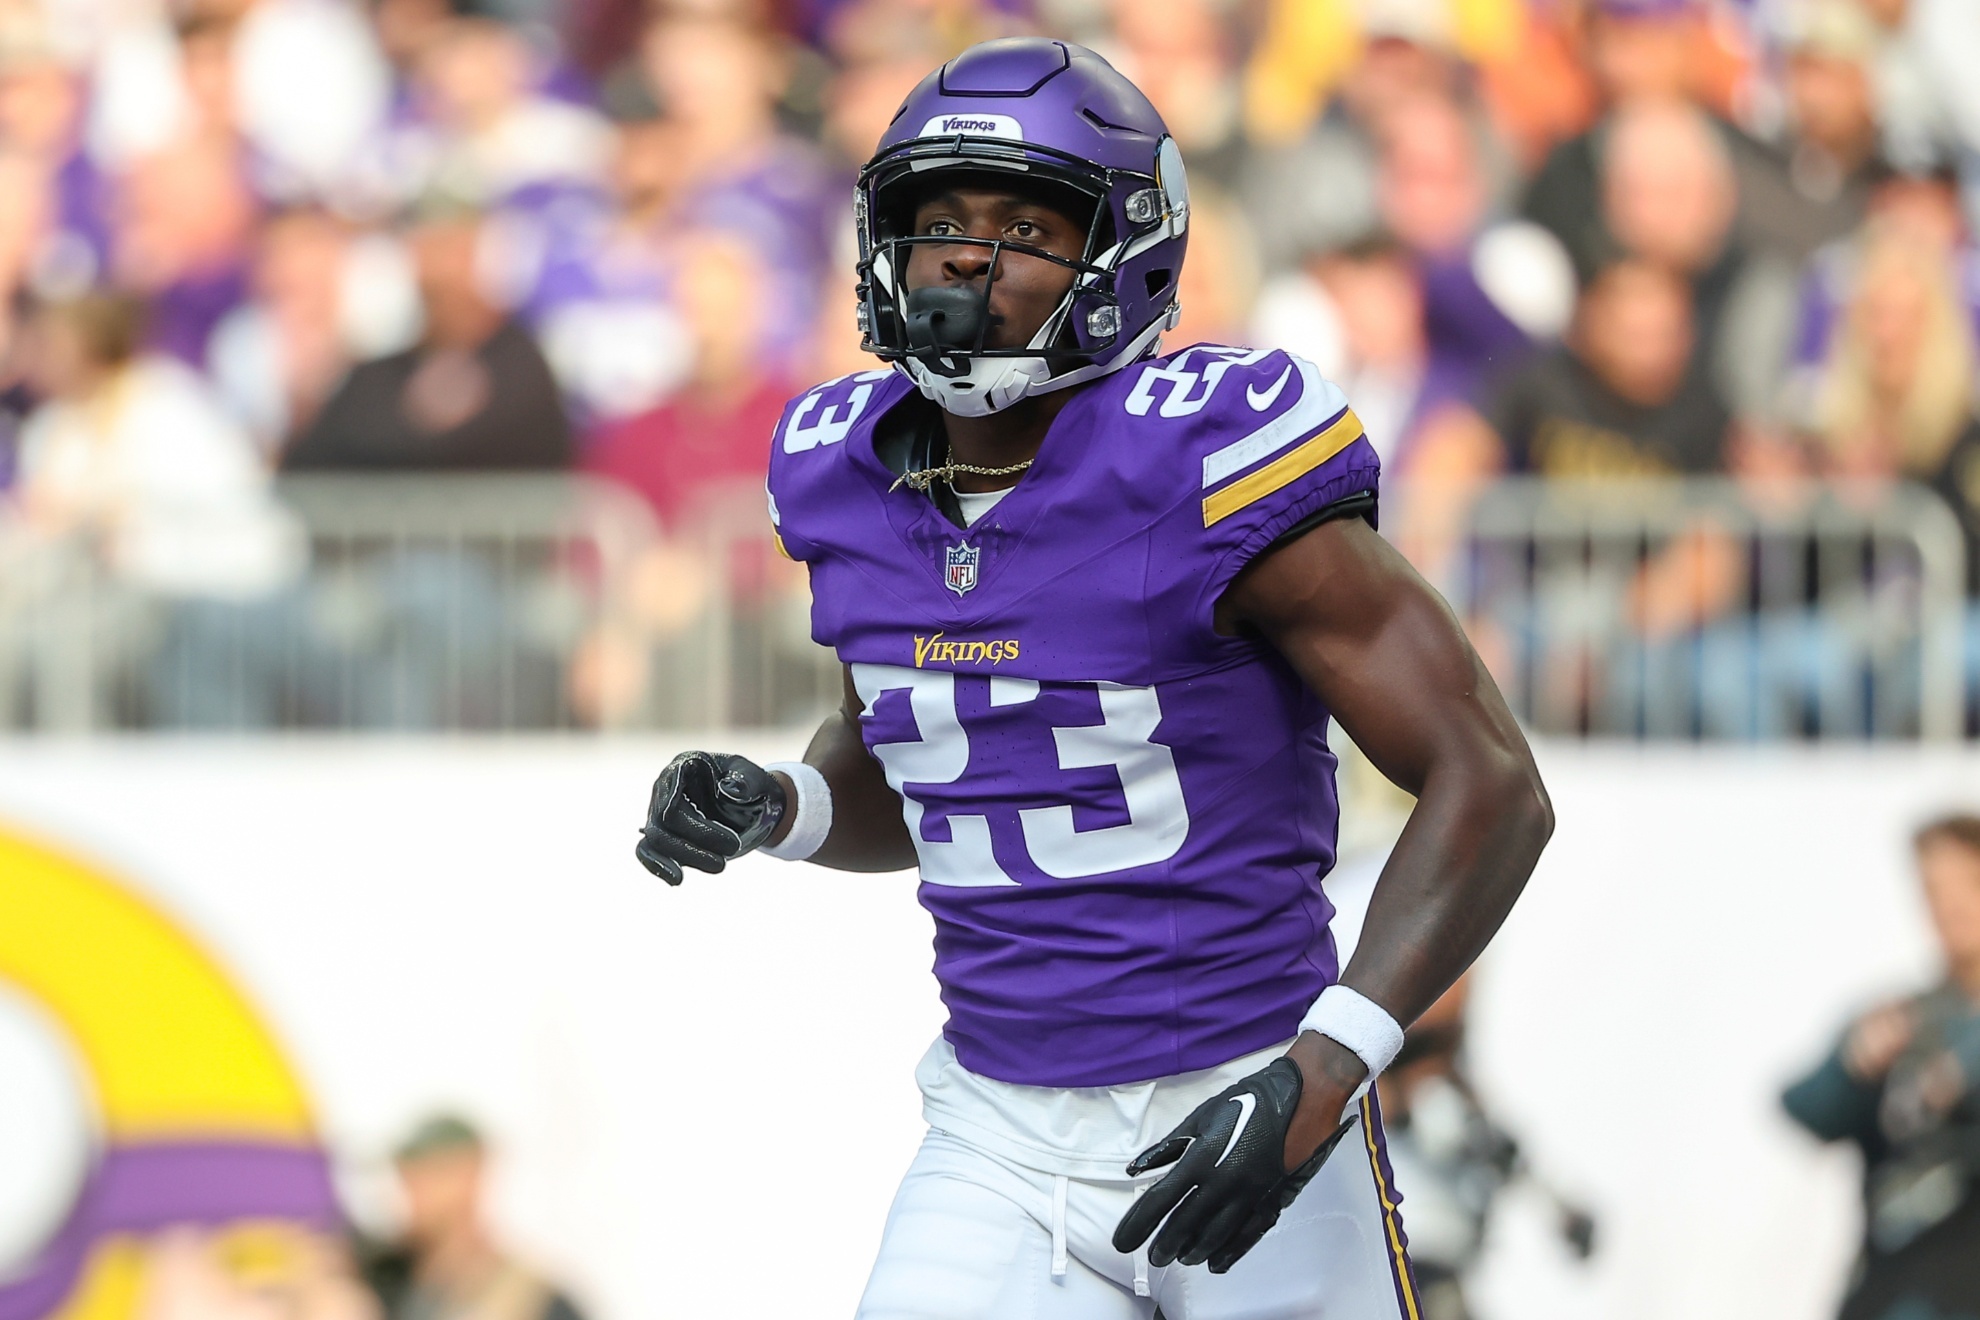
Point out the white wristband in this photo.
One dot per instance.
(811, 814)
(1358, 1022)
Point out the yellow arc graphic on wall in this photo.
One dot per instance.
(169, 1045)
(203, 1121)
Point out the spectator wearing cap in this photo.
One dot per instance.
(1811, 186)
(1903, 1086)
(475, 392)
(447, 1264)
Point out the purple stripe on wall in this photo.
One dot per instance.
(140, 1189)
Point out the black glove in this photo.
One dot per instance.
(707, 810)
(1230, 1181)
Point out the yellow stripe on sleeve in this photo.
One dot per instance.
(1283, 470)
(785, 552)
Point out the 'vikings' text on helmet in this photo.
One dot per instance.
(1053, 114)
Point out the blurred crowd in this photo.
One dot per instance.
(1577, 238)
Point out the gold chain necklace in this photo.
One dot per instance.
(927, 477)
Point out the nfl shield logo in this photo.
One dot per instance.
(962, 561)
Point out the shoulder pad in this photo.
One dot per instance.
(805, 483)
(826, 414)
(1207, 377)
(1250, 422)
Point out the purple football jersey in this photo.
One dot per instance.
(1122, 817)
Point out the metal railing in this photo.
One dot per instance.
(435, 603)
(1709, 608)
(1655, 609)
(570, 606)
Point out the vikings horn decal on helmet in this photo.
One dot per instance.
(1053, 114)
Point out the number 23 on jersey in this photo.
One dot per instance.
(940, 754)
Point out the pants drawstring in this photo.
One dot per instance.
(1141, 1288)
(1060, 1184)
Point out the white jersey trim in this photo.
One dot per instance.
(1319, 399)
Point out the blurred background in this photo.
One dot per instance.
(384, 399)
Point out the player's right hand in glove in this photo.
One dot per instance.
(707, 810)
(1230, 1182)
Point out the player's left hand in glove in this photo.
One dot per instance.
(1230, 1181)
(707, 810)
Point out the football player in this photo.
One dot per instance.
(1096, 607)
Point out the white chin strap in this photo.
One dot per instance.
(994, 384)
(990, 385)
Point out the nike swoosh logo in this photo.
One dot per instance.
(1246, 1101)
(1260, 402)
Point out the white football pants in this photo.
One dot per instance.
(974, 1236)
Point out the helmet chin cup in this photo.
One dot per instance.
(983, 385)
(945, 322)
(994, 384)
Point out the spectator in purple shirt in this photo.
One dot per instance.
(716, 81)
(1491, 288)
(490, 132)
(41, 113)
(183, 238)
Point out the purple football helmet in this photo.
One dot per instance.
(1059, 117)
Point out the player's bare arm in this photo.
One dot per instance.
(867, 833)
(1386, 655)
